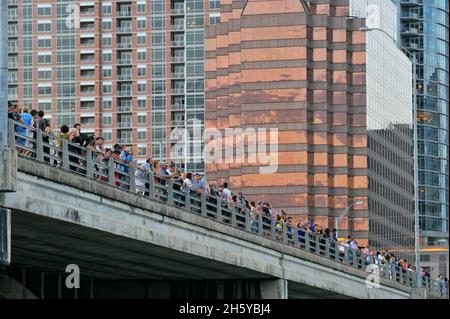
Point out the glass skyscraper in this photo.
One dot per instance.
(425, 31)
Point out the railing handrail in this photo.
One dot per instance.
(44, 147)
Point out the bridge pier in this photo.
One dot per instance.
(8, 170)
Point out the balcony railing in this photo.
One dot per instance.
(124, 140)
(124, 77)
(124, 108)
(177, 43)
(176, 107)
(410, 15)
(124, 13)
(410, 30)
(12, 49)
(177, 11)
(124, 93)
(177, 75)
(178, 27)
(126, 45)
(124, 61)
(124, 29)
(124, 124)
(178, 59)
(84, 162)
(178, 90)
(87, 60)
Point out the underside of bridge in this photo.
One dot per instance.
(112, 266)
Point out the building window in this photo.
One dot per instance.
(107, 119)
(45, 90)
(107, 41)
(107, 25)
(142, 87)
(44, 74)
(44, 26)
(141, 24)
(141, 39)
(142, 103)
(142, 119)
(45, 105)
(140, 8)
(107, 88)
(106, 8)
(45, 59)
(214, 4)
(107, 72)
(141, 56)
(44, 43)
(214, 19)
(106, 104)
(107, 135)
(44, 11)
(142, 150)
(107, 57)
(142, 135)
(142, 70)
(87, 121)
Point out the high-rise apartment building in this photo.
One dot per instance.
(425, 31)
(341, 101)
(131, 71)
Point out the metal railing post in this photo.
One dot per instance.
(132, 179)
(273, 229)
(111, 175)
(296, 234)
(284, 235)
(89, 164)
(188, 199)
(260, 224)
(317, 241)
(327, 248)
(65, 154)
(219, 208)
(170, 192)
(151, 182)
(203, 203)
(248, 220)
(39, 146)
(307, 246)
(233, 209)
(11, 134)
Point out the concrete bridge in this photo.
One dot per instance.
(127, 245)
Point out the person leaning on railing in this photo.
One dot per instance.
(387, 262)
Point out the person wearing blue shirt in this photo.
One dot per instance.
(27, 120)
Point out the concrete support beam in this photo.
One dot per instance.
(8, 170)
(274, 289)
(12, 289)
(5, 236)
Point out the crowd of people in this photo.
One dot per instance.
(124, 159)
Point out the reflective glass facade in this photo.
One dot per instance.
(425, 31)
(344, 135)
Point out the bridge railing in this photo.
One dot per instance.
(34, 144)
